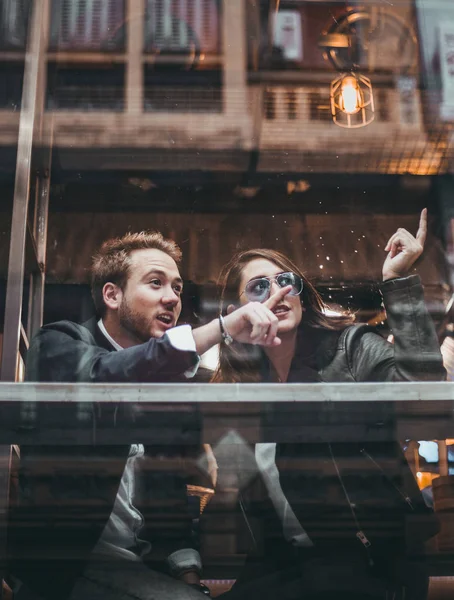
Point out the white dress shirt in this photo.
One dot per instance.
(125, 522)
(265, 455)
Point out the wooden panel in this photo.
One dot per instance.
(353, 242)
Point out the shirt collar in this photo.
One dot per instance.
(108, 336)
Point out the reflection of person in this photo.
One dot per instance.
(337, 525)
(137, 289)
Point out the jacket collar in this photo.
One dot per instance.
(100, 338)
(315, 348)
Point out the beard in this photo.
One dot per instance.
(136, 324)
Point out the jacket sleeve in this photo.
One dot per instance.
(67, 352)
(415, 354)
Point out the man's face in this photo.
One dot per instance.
(151, 299)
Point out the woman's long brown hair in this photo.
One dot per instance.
(241, 362)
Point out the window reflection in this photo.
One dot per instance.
(215, 122)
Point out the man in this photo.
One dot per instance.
(99, 552)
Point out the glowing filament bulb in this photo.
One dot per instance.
(350, 98)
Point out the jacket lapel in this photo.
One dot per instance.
(99, 337)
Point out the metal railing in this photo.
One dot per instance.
(34, 413)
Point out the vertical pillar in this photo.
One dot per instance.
(443, 458)
(43, 150)
(5, 470)
(31, 114)
(234, 59)
(30, 128)
(38, 279)
(135, 19)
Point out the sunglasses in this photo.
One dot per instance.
(258, 290)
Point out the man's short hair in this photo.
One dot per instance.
(112, 262)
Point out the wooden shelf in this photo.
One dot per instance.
(8, 56)
(86, 57)
(170, 59)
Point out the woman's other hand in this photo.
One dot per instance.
(404, 249)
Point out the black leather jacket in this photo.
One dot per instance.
(360, 353)
(374, 473)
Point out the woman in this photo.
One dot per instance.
(341, 526)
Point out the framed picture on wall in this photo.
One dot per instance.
(287, 34)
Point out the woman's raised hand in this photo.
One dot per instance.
(404, 249)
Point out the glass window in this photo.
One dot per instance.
(249, 385)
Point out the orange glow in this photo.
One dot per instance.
(425, 479)
(350, 97)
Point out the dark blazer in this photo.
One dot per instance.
(388, 504)
(66, 493)
(68, 352)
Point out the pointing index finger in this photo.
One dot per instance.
(422, 229)
(274, 300)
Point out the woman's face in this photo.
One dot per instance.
(289, 311)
